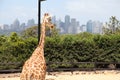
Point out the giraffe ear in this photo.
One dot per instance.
(52, 26)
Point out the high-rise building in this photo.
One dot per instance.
(30, 23)
(23, 26)
(89, 26)
(73, 26)
(78, 30)
(60, 25)
(94, 27)
(16, 25)
(6, 27)
(83, 28)
(1, 27)
(97, 27)
(67, 23)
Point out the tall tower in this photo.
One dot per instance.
(30, 23)
(73, 26)
(67, 23)
(16, 25)
(97, 27)
(90, 26)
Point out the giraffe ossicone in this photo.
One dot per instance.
(35, 67)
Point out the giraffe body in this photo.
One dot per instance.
(37, 70)
(35, 67)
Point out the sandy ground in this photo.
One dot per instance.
(77, 75)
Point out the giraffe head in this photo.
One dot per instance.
(47, 21)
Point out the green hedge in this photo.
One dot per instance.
(84, 47)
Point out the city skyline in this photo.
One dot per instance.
(17, 26)
(82, 10)
(73, 26)
(62, 19)
(68, 25)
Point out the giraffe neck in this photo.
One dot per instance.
(42, 36)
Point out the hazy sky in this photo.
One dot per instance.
(82, 10)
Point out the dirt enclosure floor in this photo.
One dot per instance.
(76, 75)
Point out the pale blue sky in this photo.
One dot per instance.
(82, 10)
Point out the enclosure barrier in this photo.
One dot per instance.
(13, 67)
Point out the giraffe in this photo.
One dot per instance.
(35, 67)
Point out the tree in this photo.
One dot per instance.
(30, 32)
(14, 37)
(112, 26)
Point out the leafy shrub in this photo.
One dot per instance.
(84, 47)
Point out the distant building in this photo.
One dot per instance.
(16, 25)
(97, 27)
(78, 30)
(94, 27)
(90, 26)
(83, 28)
(67, 23)
(1, 27)
(30, 23)
(6, 27)
(23, 26)
(73, 26)
(62, 25)
(58, 23)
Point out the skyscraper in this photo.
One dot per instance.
(78, 27)
(83, 28)
(73, 26)
(1, 27)
(30, 23)
(16, 25)
(67, 23)
(97, 27)
(60, 26)
(89, 26)
(22, 26)
(6, 27)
